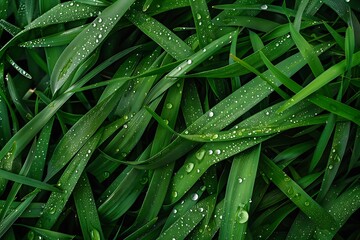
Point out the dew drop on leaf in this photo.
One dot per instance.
(200, 154)
(189, 167)
(242, 216)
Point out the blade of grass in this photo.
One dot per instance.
(13, 216)
(86, 209)
(238, 194)
(57, 200)
(85, 43)
(297, 195)
(326, 77)
(341, 136)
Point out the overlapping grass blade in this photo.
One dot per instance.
(57, 39)
(76, 137)
(341, 136)
(85, 43)
(231, 104)
(57, 200)
(14, 215)
(297, 195)
(47, 234)
(326, 77)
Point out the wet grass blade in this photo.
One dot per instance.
(57, 200)
(238, 194)
(85, 43)
(326, 77)
(86, 209)
(297, 195)
(27, 181)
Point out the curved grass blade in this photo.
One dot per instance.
(47, 234)
(326, 77)
(57, 39)
(238, 194)
(27, 132)
(160, 179)
(86, 42)
(341, 136)
(14, 215)
(23, 109)
(16, 186)
(64, 12)
(306, 51)
(186, 66)
(229, 107)
(192, 217)
(27, 181)
(273, 49)
(297, 195)
(10, 28)
(17, 67)
(165, 38)
(57, 200)
(76, 137)
(86, 209)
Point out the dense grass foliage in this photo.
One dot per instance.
(179, 119)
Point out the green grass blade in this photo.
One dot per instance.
(192, 217)
(76, 137)
(13, 216)
(165, 38)
(297, 195)
(85, 43)
(54, 40)
(326, 77)
(238, 194)
(341, 136)
(27, 181)
(306, 51)
(86, 209)
(47, 234)
(57, 200)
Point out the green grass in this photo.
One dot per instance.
(163, 119)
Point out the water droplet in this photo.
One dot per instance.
(99, 20)
(189, 167)
(52, 210)
(240, 180)
(347, 0)
(100, 35)
(306, 203)
(217, 151)
(106, 174)
(174, 211)
(189, 61)
(264, 7)
(198, 16)
(331, 167)
(94, 234)
(169, 105)
(211, 152)
(211, 114)
(242, 216)
(195, 197)
(174, 194)
(31, 235)
(200, 154)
